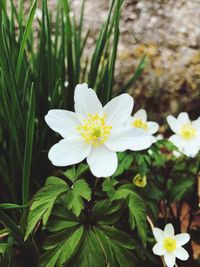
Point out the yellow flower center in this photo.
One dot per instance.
(187, 131)
(138, 123)
(169, 244)
(94, 130)
(140, 181)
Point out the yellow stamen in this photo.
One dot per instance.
(138, 123)
(169, 244)
(187, 131)
(94, 130)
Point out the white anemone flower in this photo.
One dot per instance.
(92, 131)
(170, 245)
(142, 130)
(187, 134)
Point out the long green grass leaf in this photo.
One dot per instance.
(27, 31)
(28, 148)
(136, 75)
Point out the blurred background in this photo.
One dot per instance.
(168, 32)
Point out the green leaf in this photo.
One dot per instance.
(181, 188)
(70, 245)
(123, 239)
(106, 212)
(137, 211)
(106, 246)
(61, 218)
(61, 247)
(115, 247)
(73, 174)
(136, 75)
(137, 216)
(124, 257)
(108, 186)
(125, 161)
(43, 202)
(74, 197)
(90, 253)
(27, 31)
(28, 148)
(5, 206)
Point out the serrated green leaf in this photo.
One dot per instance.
(108, 186)
(124, 239)
(137, 211)
(124, 163)
(61, 247)
(181, 188)
(90, 253)
(137, 216)
(75, 196)
(43, 202)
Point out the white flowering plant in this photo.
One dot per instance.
(88, 177)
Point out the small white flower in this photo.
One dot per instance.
(170, 245)
(38, 14)
(187, 133)
(92, 131)
(66, 83)
(142, 131)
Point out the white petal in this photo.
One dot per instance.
(181, 254)
(169, 230)
(178, 141)
(63, 122)
(182, 239)
(140, 114)
(152, 127)
(196, 123)
(158, 250)
(191, 150)
(183, 118)
(174, 124)
(158, 234)
(118, 110)
(102, 161)
(86, 102)
(120, 139)
(141, 143)
(169, 259)
(68, 152)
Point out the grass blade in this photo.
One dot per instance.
(7, 206)
(27, 31)
(28, 148)
(136, 75)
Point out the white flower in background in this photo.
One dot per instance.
(66, 83)
(92, 131)
(187, 134)
(170, 245)
(142, 130)
(38, 14)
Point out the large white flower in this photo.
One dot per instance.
(92, 131)
(142, 131)
(170, 245)
(187, 133)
